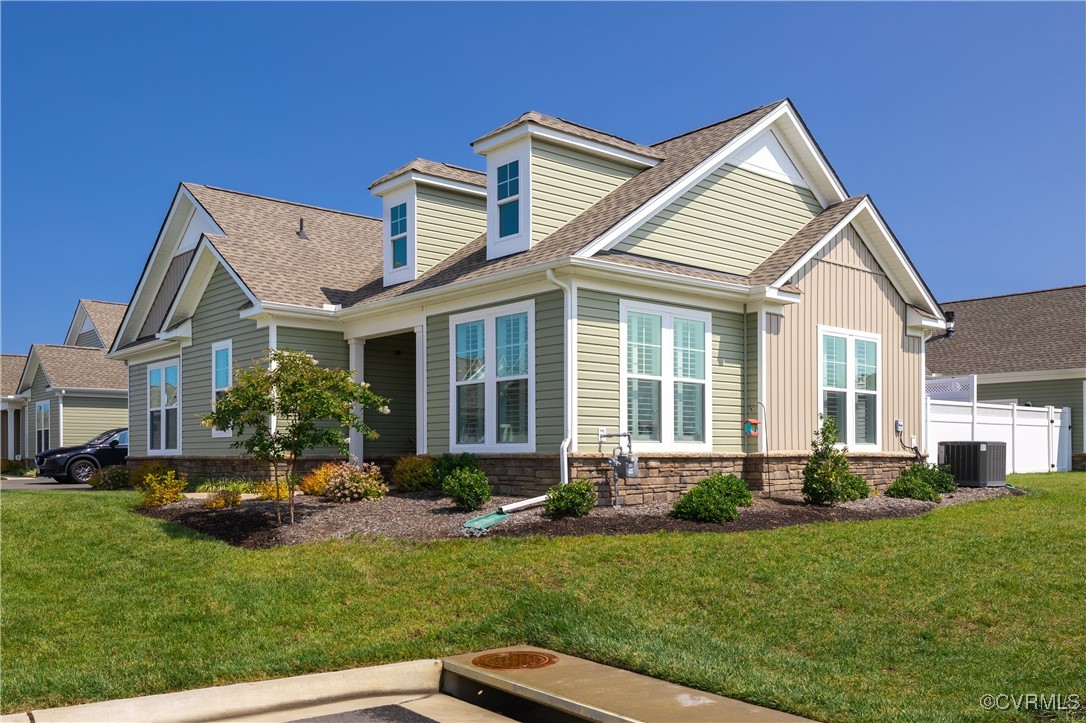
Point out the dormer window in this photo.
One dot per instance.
(509, 199)
(398, 235)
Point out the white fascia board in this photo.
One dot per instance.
(584, 145)
(808, 145)
(814, 250)
(182, 192)
(425, 179)
(78, 320)
(149, 351)
(1032, 376)
(920, 323)
(89, 392)
(772, 294)
(183, 331)
(30, 370)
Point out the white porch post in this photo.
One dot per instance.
(11, 432)
(355, 349)
(420, 389)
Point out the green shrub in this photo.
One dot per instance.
(351, 483)
(137, 474)
(826, 476)
(161, 488)
(469, 488)
(221, 499)
(714, 499)
(913, 488)
(575, 499)
(241, 486)
(114, 477)
(14, 467)
(267, 490)
(412, 474)
(446, 464)
(938, 478)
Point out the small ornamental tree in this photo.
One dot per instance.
(303, 397)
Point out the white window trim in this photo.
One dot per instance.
(406, 272)
(498, 246)
(490, 386)
(847, 437)
(176, 361)
(667, 441)
(48, 424)
(228, 345)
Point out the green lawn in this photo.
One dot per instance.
(910, 619)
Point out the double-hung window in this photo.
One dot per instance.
(163, 406)
(849, 375)
(397, 234)
(665, 388)
(509, 199)
(492, 376)
(222, 376)
(41, 426)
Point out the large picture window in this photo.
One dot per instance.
(665, 376)
(493, 407)
(849, 371)
(222, 376)
(163, 407)
(41, 426)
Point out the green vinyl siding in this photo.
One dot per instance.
(1054, 392)
(389, 368)
(87, 417)
(445, 222)
(731, 221)
(329, 348)
(215, 319)
(88, 338)
(599, 374)
(549, 374)
(38, 393)
(137, 410)
(565, 182)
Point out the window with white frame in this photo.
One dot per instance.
(41, 426)
(397, 231)
(666, 381)
(222, 376)
(163, 406)
(850, 385)
(509, 199)
(492, 375)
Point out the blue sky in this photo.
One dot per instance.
(966, 122)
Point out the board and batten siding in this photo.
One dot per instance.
(87, 417)
(388, 365)
(1055, 392)
(599, 375)
(445, 222)
(844, 287)
(565, 182)
(89, 338)
(731, 221)
(215, 319)
(549, 374)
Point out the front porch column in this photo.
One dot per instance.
(11, 432)
(420, 389)
(355, 349)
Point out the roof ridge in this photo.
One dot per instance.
(587, 128)
(69, 346)
(282, 200)
(99, 301)
(1015, 293)
(719, 122)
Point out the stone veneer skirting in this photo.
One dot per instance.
(663, 477)
(1078, 462)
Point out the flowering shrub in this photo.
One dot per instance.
(351, 483)
(113, 477)
(412, 474)
(222, 498)
(267, 490)
(316, 481)
(161, 489)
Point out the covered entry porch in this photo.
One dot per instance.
(393, 365)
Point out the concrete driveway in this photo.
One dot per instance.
(37, 483)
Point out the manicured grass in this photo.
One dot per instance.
(910, 619)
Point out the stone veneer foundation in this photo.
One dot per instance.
(243, 467)
(1078, 462)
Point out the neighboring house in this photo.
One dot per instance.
(73, 391)
(12, 407)
(582, 282)
(1027, 348)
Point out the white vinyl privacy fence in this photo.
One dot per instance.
(1038, 439)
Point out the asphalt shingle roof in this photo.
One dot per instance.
(802, 241)
(80, 367)
(441, 170)
(11, 370)
(1033, 331)
(577, 130)
(106, 317)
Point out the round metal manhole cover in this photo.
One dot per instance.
(515, 660)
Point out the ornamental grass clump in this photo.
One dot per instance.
(575, 499)
(412, 474)
(826, 476)
(469, 488)
(717, 498)
(114, 477)
(352, 483)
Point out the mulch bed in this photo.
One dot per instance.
(428, 516)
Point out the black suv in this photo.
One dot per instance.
(79, 463)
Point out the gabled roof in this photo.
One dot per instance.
(11, 370)
(106, 317)
(802, 241)
(574, 129)
(78, 367)
(439, 170)
(1032, 331)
